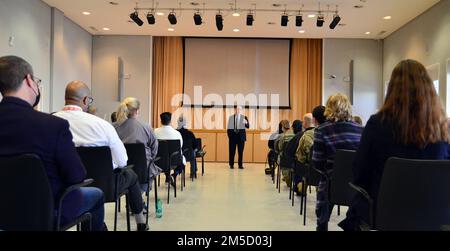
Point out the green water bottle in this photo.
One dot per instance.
(159, 209)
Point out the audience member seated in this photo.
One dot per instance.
(24, 130)
(281, 143)
(358, 120)
(113, 117)
(272, 155)
(338, 132)
(167, 132)
(131, 131)
(91, 131)
(291, 147)
(411, 124)
(188, 136)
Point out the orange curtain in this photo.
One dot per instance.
(167, 74)
(305, 84)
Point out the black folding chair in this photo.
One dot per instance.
(188, 152)
(201, 153)
(169, 154)
(137, 157)
(28, 199)
(413, 196)
(339, 191)
(99, 166)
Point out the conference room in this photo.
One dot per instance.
(224, 115)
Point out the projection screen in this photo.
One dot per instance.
(233, 66)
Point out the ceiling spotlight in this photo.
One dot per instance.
(86, 13)
(311, 16)
(106, 29)
(171, 29)
(284, 20)
(320, 21)
(236, 14)
(172, 18)
(250, 19)
(151, 18)
(197, 19)
(387, 17)
(335, 22)
(135, 17)
(160, 13)
(298, 20)
(368, 33)
(219, 22)
(236, 30)
(301, 31)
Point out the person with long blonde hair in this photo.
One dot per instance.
(131, 130)
(338, 132)
(411, 124)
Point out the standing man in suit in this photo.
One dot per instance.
(237, 124)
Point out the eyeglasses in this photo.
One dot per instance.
(37, 80)
(90, 100)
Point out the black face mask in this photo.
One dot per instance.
(38, 98)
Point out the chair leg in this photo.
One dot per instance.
(279, 179)
(127, 209)
(304, 209)
(310, 190)
(78, 227)
(175, 188)
(148, 203)
(339, 210)
(156, 195)
(168, 193)
(290, 186)
(181, 181)
(203, 166)
(293, 191)
(184, 177)
(159, 180)
(115, 214)
(301, 200)
(120, 205)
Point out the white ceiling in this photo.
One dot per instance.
(358, 21)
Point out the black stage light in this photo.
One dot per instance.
(135, 17)
(172, 18)
(151, 18)
(197, 19)
(335, 21)
(250, 19)
(298, 21)
(320, 21)
(219, 22)
(284, 20)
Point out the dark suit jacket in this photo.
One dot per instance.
(24, 130)
(242, 125)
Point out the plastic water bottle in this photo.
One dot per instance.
(159, 209)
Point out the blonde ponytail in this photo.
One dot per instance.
(126, 108)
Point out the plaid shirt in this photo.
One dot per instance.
(331, 136)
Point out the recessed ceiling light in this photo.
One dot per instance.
(311, 16)
(301, 31)
(368, 33)
(106, 29)
(171, 29)
(236, 30)
(86, 13)
(236, 14)
(160, 13)
(387, 17)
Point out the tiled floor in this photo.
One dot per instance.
(227, 199)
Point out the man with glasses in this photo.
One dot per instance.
(91, 131)
(24, 130)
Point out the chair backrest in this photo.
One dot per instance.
(174, 146)
(199, 144)
(27, 199)
(340, 192)
(414, 195)
(312, 176)
(98, 163)
(163, 154)
(137, 157)
(188, 150)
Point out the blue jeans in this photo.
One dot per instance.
(90, 199)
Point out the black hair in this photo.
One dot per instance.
(166, 118)
(318, 114)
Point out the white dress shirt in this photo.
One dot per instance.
(91, 131)
(169, 133)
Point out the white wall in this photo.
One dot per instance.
(71, 56)
(58, 49)
(426, 39)
(29, 22)
(367, 57)
(136, 52)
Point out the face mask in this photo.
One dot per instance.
(38, 98)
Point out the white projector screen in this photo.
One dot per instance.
(234, 66)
